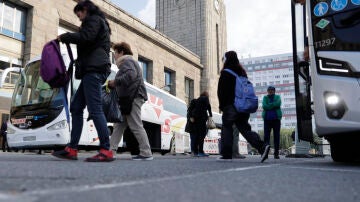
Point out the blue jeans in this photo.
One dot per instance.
(275, 126)
(89, 94)
(231, 116)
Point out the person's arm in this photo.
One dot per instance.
(209, 107)
(277, 102)
(220, 91)
(87, 34)
(266, 105)
(128, 74)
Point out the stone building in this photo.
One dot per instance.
(200, 26)
(26, 25)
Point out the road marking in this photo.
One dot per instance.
(85, 188)
(324, 169)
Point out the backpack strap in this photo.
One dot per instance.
(71, 67)
(66, 106)
(231, 72)
(70, 73)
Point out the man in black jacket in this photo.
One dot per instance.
(93, 47)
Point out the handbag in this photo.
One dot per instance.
(110, 106)
(210, 124)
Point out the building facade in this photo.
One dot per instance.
(277, 71)
(26, 25)
(200, 26)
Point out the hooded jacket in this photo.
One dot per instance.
(128, 80)
(93, 44)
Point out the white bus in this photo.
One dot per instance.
(332, 75)
(38, 117)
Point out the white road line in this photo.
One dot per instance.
(85, 188)
(324, 169)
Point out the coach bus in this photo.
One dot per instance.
(38, 117)
(328, 83)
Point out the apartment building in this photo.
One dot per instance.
(277, 71)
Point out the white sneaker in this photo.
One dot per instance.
(142, 158)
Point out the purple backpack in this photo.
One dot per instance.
(52, 67)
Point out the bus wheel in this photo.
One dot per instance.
(340, 151)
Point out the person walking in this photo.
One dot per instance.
(132, 94)
(93, 64)
(236, 153)
(272, 118)
(190, 128)
(200, 114)
(4, 144)
(230, 116)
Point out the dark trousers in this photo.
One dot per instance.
(4, 144)
(275, 126)
(89, 94)
(197, 142)
(194, 143)
(231, 116)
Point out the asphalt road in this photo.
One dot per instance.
(34, 178)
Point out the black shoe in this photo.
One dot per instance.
(203, 155)
(238, 156)
(224, 159)
(276, 157)
(194, 154)
(265, 155)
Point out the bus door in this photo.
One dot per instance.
(302, 78)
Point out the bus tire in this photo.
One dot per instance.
(340, 151)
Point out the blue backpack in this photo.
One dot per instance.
(245, 99)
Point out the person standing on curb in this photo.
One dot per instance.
(230, 116)
(272, 118)
(132, 94)
(4, 144)
(92, 67)
(200, 115)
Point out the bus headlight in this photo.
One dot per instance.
(59, 125)
(10, 131)
(332, 99)
(335, 106)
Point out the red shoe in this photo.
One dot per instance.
(67, 153)
(103, 156)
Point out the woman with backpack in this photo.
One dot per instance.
(92, 67)
(230, 116)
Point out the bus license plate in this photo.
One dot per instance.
(29, 138)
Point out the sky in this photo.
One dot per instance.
(254, 27)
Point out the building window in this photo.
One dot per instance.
(217, 49)
(189, 90)
(169, 85)
(146, 67)
(12, 21)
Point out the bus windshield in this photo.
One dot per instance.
(34, 103)
(32, 90)
(336, 25)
